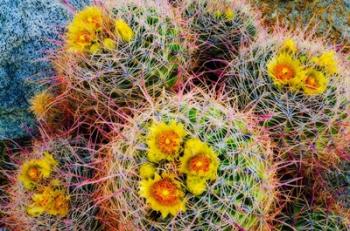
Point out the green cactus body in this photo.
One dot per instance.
(23, 208)
(244, 192)
(302, 121)
(219, 28)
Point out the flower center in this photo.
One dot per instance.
(311, 82)
(90, 19)
(33, 173)
(199, 163)
(59, 202)
(165, 192)
(84, 37)
(168, 142)
(44, 202)
(284, 72)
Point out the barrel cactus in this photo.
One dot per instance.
(191, 162)
(117, 55)
(219, 28)
(300, 91)
(48, 188)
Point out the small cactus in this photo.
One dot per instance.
(299, 89)
(191, 162)
(219, 28)
(49, 189)
(115, 56)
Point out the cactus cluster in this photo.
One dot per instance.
(215, 165)
(48, 188)
(184, 115)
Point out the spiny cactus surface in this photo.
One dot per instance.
(219, 28)
(191, 162)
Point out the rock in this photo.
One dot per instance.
(28, 29)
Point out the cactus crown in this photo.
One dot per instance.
(299, 89)
(134, 49)
(221, 169)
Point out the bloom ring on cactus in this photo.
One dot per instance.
(190, 162)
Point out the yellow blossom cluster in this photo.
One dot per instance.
(33, 175)
(195, 161)
(298, 71)
(92, 30)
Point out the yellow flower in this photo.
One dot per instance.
(284, 69)
(33, 171)
(59, 205)
(40, 202)
(289, 45)
(327, 61)
(49, 200)
(229, 14)
(123, 30)
(40, 104)
(164, 141)
(109, 44)
(79, 38)
(196, 185)
(314, 82)
(90, 17)
(48, 160)
(199, 160)
(147, 170)
(34, 210)
(95, 48)
(83, 29)
(163, 194)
